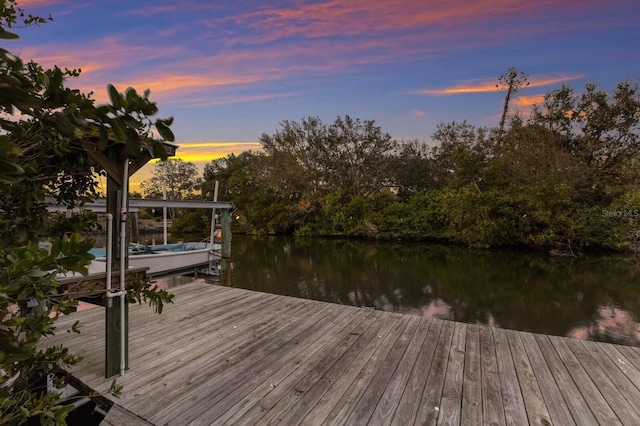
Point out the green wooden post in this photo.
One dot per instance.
(113, 327)
(113, 336)
(225, 252)
(225, 223)
(115, 160)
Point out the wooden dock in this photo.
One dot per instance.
(222, 355)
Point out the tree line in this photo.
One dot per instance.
(565, 177)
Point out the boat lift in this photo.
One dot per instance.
(119, 165)
(116, 342)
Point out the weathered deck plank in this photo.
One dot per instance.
(375, 390)
(344, 407)
(472, 391)
(242, 363)
(451, 401)
(515, 412)
(619, 378)
(429, 405)
(118, 416)
(229, 356)
(207, 331)
(217, 332)
(623, 410)
(531, 392)
(619, 358)
(492, 402)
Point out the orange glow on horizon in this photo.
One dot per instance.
(198, 153)
(529, 101)
(485, 86)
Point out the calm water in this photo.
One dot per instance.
(594, 297)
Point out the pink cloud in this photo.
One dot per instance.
(110, 53)
(306, 39)
(335, 17)
(38, 3)
(382, 18)
(108, 61)
(175, 7)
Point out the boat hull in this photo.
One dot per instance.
(169, 259)
(171, 262)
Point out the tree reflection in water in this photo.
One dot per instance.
(595, 297)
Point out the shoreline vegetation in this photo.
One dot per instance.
(563, 179)
(543, 216)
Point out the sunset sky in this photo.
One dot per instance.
(228, 71)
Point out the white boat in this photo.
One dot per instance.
(166, 259)
(163, 259)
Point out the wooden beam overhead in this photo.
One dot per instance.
(114, 168)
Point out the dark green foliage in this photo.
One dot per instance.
(28, 275)
(312, 159)
(44, 131)
(565, 179)
(414, 169)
